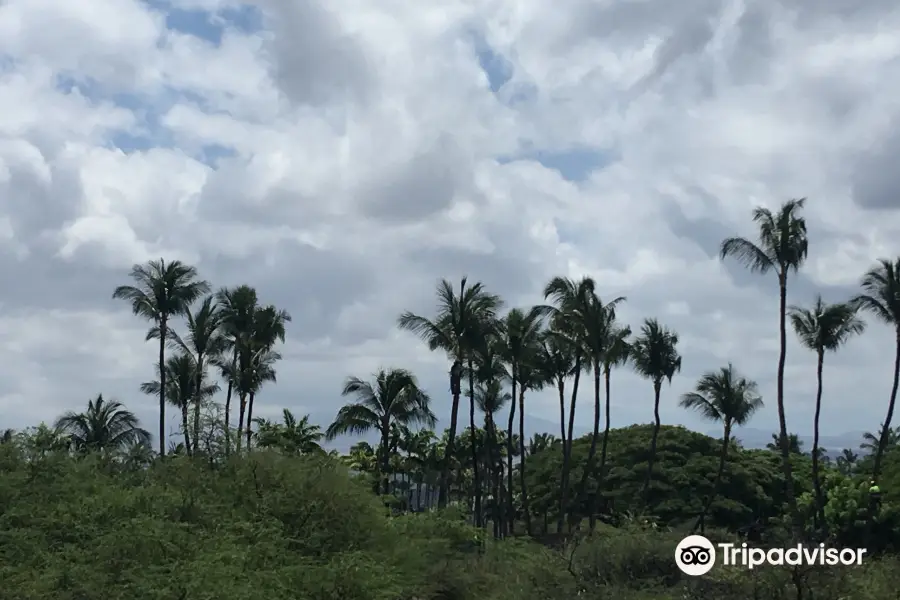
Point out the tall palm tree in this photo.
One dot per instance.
(520, 340)
(728, 398)
(180, 376)
(598, 322)
(268, 329)
(237, 308)
(256, 366)
(490, 371)
(881, 298)
(455, 329)
(104, 426)
(557, 362)
(824, 327)
(394, 397)
(782, 248)
(617, 353)
(571, 299)
(531, 378)
(205, 341)
(655, 357)
(161, 291)
(490, 399)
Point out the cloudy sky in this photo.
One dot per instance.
(343, 156)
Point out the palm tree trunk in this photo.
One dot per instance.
(510, 505)
(455, 380)
(603, 449)
(817, 484)
(723, 456)
(657, 388)
(162, 385)
(525, 510)
(234, 358)
(474, 430)
(592, 451)
(250, 419)
(197, 399)
(385, 451)
(567, 449)
(886, 431)
(185, 428)
(782, 421)
(241, 408)
(496, 461)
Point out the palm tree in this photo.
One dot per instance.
(490, 371)
(531, 378)
(162, 290)
(783, 246)
(237, 309)
(256, 366)
(871, 441)
(520, 338)
(617, 353)
(794, 444)
(820, 328)
(456, 329)
(204, 341)
(598, 322)
(656, 358)
(728, 398)
(393, 398)
(292, 436)
(268, 329)
(104, 426)
(490, 398)
(180, 376)
(540, 442)
(570, 301)
(557, 362)
(881, 298)
(846, 461)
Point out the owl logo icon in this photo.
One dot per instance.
(695, 555)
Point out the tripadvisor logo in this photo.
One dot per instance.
(695, 555)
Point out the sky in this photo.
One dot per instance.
(342, 157)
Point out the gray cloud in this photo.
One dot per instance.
(376, 177)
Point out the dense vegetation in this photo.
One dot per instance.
(88, 508)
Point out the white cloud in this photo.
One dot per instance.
(350, 154)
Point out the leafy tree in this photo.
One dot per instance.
(782, 248)
(162, 290)
(824, 327)
(727, 398)
(103, 426)
(393, 397)
(655, 356)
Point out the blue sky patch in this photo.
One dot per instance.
(207, 25)
(497, 68)
(575, 164)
